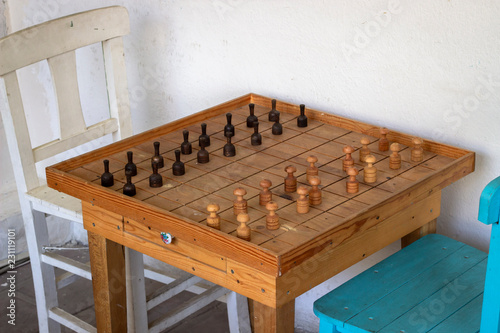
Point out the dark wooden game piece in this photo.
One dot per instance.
(129, 188)
(290, 180)
(311, 170)
(383, 143)
(302, 201)
(302, 119)
(256, 138)
(229, 149)
(315, 197)
(364, 150)
(178, 168)
(243, 231)
(155, 179)
(130, 166)
(265, 195)
(352, 184)
(348, 161)
(395, 158)
(229, 128)
(273, 113)
(186, 147)
(204, 136)
(107, 179)
(203, 156)
(213, 220)
(417, 152)
(239, 204)
(252, 118)
(277, 128)
(370, 172)
(157, 158)
(272, 219)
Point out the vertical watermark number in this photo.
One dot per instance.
(11, 276)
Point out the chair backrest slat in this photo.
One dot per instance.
(58, 36)
(63, 70)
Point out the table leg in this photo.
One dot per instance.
(107, 264)
(429, 228)
(270, 320)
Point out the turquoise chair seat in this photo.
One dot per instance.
(434, 285)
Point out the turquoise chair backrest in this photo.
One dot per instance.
(489, 211)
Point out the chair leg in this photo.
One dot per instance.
(237, 312)
(137, 313)
(44, 280)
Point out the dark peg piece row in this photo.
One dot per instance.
(204, 136)
(130, 167)
(129, 188)
(277, 128)
(203, 156)
(155, 179)
(256, 138)
(186, 147)
(229, 149)
(178, 168)
(252, 118)
(107, 179)
(273, 114)
(229, 128)
(302, 119)
(157, 158)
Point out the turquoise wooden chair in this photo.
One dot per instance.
(434, 285)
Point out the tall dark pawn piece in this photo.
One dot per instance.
(204, 136)
(203, 156)
(273, 113)
(186, 147)
(107, 179)
(155, 180)
(229, 148)
(252, 118)
(302, 119)
(130, 166)
(129, 188)
(157, 158)
(178, 168)
(277, 129)
(256, 138)
(229, 128)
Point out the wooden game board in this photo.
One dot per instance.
(275, 267)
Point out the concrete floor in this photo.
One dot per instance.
(78, 300)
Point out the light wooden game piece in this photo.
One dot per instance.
(383, 143)
(290, 180)
(352, 185)
(273, 113)
(243, 231)
(395, 158)
(157, 158)
(155, 179)
(417, 152)
(364, 151)
(239, 204)
(129, 188)
(348, 161)
(265, 195)
(204, 136)
(130, 166)
(252, 118)
(213, 220)
(302, 119)
(107, 179)
(315, 192)
(302, 201)
(311, 170)
(370, 172)
(272, 219)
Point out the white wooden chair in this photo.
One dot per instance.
(55, 42)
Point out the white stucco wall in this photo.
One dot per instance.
(428, 68)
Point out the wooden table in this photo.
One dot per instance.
(275, 267)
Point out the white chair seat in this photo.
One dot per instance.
(47, 200)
